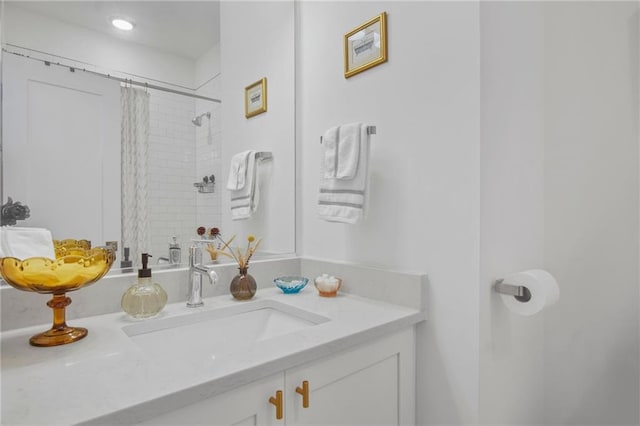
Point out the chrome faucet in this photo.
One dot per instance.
(196, 271)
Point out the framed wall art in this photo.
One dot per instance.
(365, 46)
(255, 98)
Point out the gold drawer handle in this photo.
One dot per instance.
(304, 391)
(277, 401)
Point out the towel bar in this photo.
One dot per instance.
(261, 155)
(371, 130)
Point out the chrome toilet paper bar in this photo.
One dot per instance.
(520, 292)
(509, 289)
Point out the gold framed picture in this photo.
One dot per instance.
(255, 98)
(365, 46)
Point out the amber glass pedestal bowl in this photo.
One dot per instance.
(75, 266)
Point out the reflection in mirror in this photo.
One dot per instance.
(114, 136)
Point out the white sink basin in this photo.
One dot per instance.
(223, 330)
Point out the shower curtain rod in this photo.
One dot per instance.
(120, 79)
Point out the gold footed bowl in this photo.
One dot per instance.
(74, 267)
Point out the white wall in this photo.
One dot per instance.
(425, 192)
(257, 40)
(555, 89)
(560, 191)
(512, 213)
(591, 212)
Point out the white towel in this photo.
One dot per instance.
(244, 201)
(345, 200)
(23, 243)
(238, 171)
(341, 147)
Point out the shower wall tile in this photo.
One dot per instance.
(175, 162)
(208, 149)
(171, 171)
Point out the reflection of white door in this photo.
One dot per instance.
(61, 148)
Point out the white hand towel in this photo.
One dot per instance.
(23, 243)
(238, 171)
(345, 200)
(244, 201)
(341, 146)
(329, 152)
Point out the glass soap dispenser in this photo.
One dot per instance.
(144, 299)
(175, 256)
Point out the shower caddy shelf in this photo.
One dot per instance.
(205, 187)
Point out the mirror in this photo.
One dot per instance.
(78, 188)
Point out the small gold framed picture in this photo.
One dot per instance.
(255, 98)
(365, 46)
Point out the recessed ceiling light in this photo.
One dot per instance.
(122, 24)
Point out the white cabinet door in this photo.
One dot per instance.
(373, 384)
(244, 406)
(370, 385)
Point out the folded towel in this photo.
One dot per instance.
(329, 152)
(345, 200)
(341, 146)
(244, 201)
(23, 243)
(238, 171)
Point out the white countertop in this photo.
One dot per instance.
(106, 378)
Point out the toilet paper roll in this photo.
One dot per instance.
(543, 287)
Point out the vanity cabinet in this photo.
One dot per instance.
(246, 405)
(370, 384)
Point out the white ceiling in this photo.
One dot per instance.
(185, 28)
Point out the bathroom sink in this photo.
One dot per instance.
(225, 330)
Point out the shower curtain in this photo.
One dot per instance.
(135, 140)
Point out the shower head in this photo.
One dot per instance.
(197, 121)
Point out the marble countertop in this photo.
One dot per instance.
(106, 378)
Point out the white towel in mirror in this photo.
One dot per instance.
(238, 171)
(23, 243)
(244, 201)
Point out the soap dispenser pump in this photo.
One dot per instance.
(144, 299)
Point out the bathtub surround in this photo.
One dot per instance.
(208, 153)
(172, 165)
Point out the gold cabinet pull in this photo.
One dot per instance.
(277, 401)
(304, 391)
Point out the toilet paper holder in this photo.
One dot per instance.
(520, 292)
